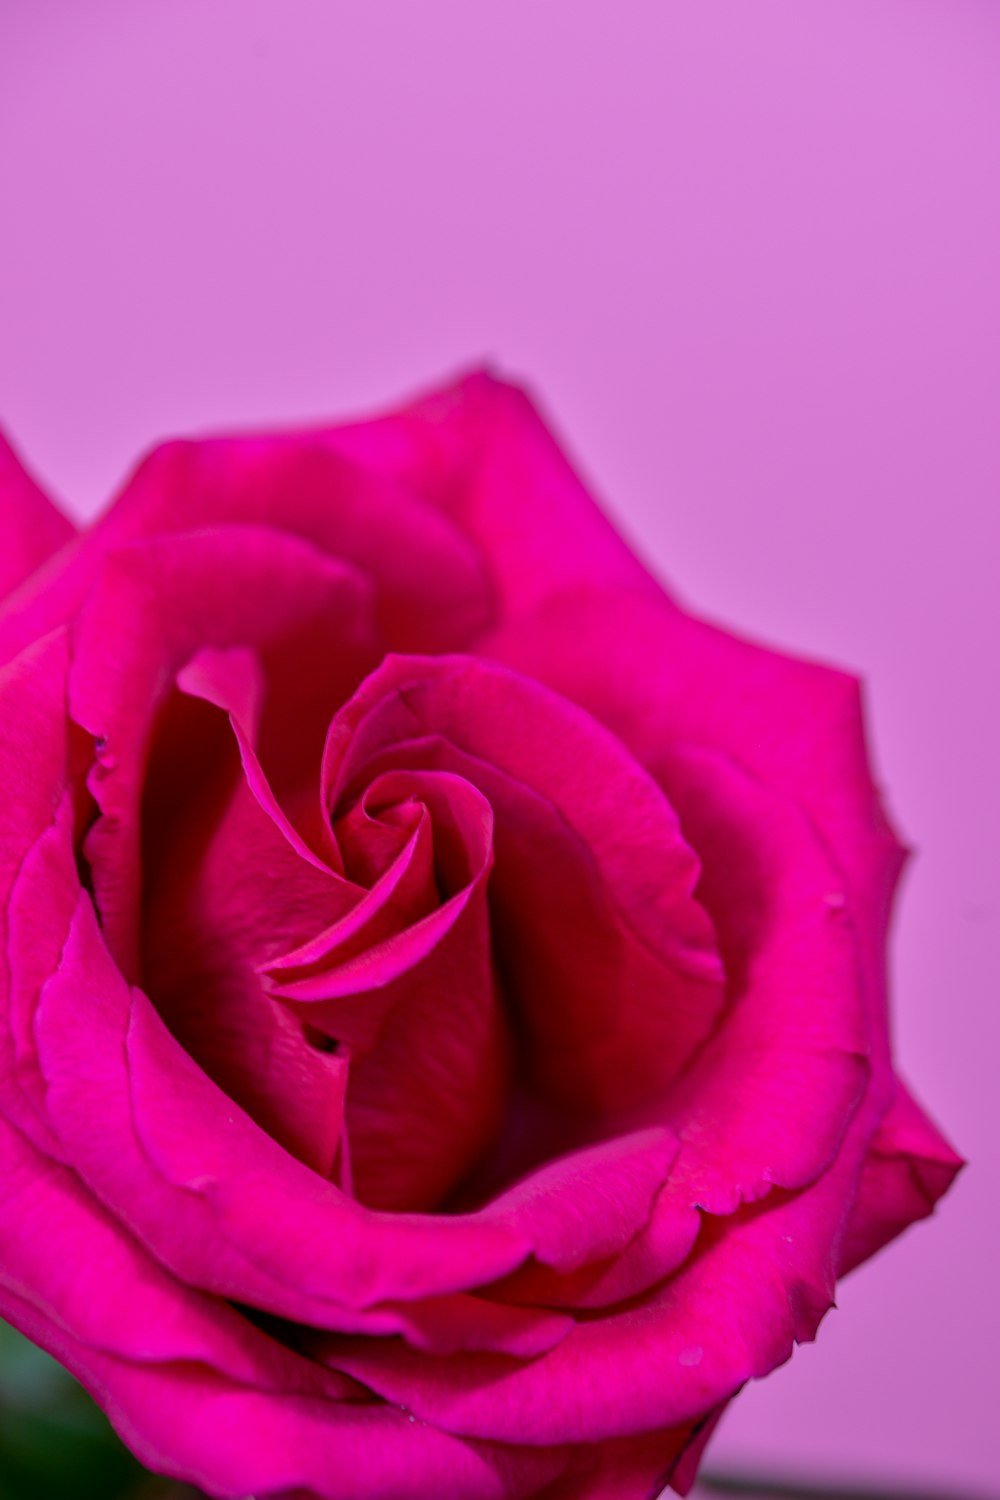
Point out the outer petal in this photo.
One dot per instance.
(39, 884)
(590, 1203)
(445, 1325)
(767, 1100)
(209, 1192)
(431, 586)
(93, 1280)
(213, 1196)
(220, 588)
(908, 1168)
(479, 451)
(197, 1390)
(31, 528)
(685, 1470)
(656, 675)
(231, 1438)
(632, 1468)
(486, 514)
(760, 1280)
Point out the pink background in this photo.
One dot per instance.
(750, 256)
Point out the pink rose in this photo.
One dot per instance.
(443, 1046)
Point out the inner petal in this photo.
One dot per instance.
(406, 983)
(225, 889)
(241, 587)
(610, 962)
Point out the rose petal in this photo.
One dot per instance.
(163, 1321)
(432, 589)
(761, 1280)
(479, 451)
(591, 917)
(908, 1168)
(663, 1243)
(397, 857)
(229, 1439)
(656, 675)
(210, 1192)
(634, 1467)
(425, 1101)
(445, 1325)
(591, 1203)
(770, 1095)
(685, 1471)
(230, 885)
(430, 583)
(39, 884)
(39, 909)
(180, 594)
(31, 528)
(418, 1010)
(212, 1195)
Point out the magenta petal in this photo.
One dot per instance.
(759, 1281)
(230, 679)
(206, 1189)
(39, 883)
(216, 910)
(402, 895)
(657, 676)
(769, 1097)
(479, 452)
(230, 1438)
(663, 1243)
(445, 1325)
(181, 594)
(590, 1204)
(415, 1006)
(908, 1167)
(685, 1471)
(34, 749)
(431, 586)
(630, 1468)
(83, 1292)
(432, 589)
(426, 1101)
(40, 908)
(31, 528)
(593, 914)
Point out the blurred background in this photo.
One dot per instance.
(747, 255)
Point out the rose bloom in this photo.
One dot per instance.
(443, 1042)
